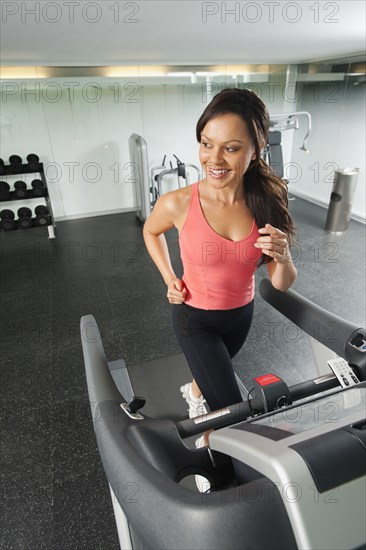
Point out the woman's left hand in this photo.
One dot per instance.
(274, 244)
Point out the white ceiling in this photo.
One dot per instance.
(178, 32)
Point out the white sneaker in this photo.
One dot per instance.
(196, 406)
(202, 483)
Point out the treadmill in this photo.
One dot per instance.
(286, 466)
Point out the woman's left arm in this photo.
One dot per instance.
(281, 270)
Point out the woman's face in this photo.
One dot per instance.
(225, 150)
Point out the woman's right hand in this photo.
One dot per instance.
(176, 291)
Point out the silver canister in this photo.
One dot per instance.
(340, 203)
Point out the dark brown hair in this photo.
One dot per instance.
(265, 192)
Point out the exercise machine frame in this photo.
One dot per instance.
(145, 459)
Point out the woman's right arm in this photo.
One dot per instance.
(161, 219)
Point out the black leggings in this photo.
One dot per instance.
(209, 339)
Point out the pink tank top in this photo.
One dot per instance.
(218, 272)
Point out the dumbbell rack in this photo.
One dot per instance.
(11, 170)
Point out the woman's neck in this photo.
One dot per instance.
(227, 195)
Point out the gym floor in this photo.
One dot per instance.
(54, 492)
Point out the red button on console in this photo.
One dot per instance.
(267, 379)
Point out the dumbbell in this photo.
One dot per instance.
(15, 163)
(42, 216)
(2, 167)
(20, 189)
(7, 220)
(33, 161)
(4, 191)
(24, 218)
(38, 190)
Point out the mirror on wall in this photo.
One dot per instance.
(87, 155)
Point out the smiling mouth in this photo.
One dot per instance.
(218, 173)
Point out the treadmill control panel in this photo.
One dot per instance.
(315, 454)
(343, 372)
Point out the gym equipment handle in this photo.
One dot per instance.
(327, 328)
(242, 411)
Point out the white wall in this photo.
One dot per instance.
(337, 141)
(81, 133)
(84, 143)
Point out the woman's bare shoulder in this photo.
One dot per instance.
(174, 206)
(176, 202)
(170, 210)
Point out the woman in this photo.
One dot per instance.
(229, 223)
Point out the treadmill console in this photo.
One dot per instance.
(315, 453)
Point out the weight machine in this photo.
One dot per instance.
(272, 154)
(147, 189)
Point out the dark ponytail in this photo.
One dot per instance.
(267, 200)
(265, 192)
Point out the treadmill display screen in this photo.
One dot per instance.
(330, 409)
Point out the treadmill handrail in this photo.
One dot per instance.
(242, 411)
(102, 388)
(326, 327)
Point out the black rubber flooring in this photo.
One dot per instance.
(53, 489)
